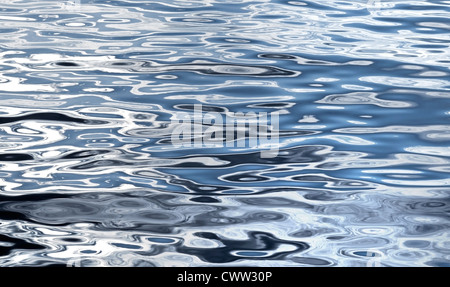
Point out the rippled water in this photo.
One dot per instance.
(89, 177)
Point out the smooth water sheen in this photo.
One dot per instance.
(89, 177)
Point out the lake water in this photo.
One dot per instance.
(92, 93)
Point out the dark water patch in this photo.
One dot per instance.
(67, 64)
(85, 154)
(426, 229)
(56, 117)
(9, 244)
(205, 199)
(336, 237)
(72, 239)
(202, 108)
(15, 157)
(416, 243)
(122, 64)
(12, 215)
(32, 197)
(161, 240)
(257, 242)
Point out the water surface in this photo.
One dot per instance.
(88, 93)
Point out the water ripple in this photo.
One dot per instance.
(91, 94)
